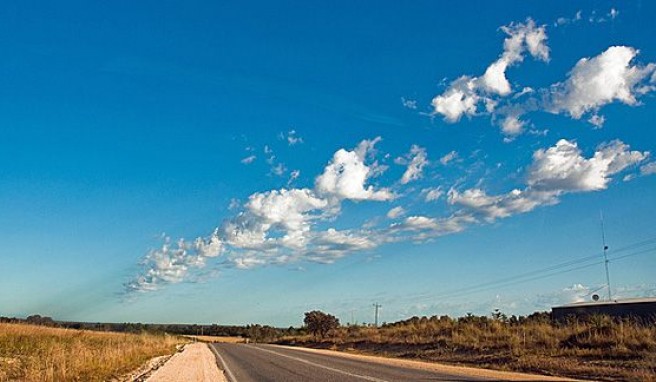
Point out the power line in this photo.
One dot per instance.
(544, 272)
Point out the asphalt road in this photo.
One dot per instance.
(246, 363)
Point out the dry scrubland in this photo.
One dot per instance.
(596, 348)
(36, 353)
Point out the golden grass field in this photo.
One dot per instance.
(36, 353)
(599, 348)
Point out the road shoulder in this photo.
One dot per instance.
(196, 363)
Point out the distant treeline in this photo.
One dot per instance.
(255, 332)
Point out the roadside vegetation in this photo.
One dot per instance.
(595, 347)
(39, 353)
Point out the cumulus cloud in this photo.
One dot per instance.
(284, 226)
(461, 98)
(594, 82)
(563, 168)
(600, 80)
(276, 227)
(512, 125)
(173, 261)
(416, 160)
(345, 177)
(555, 171)
(521, 37)
(500, 206)
(467, 93)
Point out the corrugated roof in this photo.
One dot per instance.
(606, 302)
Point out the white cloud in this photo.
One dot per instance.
(421, 228)
(572, 294)
(396, 212)
(346, 175)
(592, 83)
(282, 226)
(276, 227)
(249, 159)
(331, 244)
(500, 206)
(597, 120)
(555, 171)
(409, 103)
(293, 176)
(465, 93)
(172, 262)
(512, 125)
(432, 194)
(278, 169)
(285, 208)
(562, 167)
(449, 157)
(600, 80)
(291, 137)
(417, 160)
(459, 99)
(566, 20)
(648, 169)
(420, 222)
(246, 262)
(521, 37)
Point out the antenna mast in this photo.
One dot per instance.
(603, 241)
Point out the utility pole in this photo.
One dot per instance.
(603, 241)
(376, 306)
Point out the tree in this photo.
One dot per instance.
(320, 323)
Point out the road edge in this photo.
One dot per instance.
(221, 363)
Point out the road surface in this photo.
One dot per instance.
(246, 363)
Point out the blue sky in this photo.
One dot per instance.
(238, 163)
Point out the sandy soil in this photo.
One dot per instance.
(196, 363)
(453, 370)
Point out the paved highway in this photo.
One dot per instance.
(261, 363)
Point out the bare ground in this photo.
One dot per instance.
(196, 363)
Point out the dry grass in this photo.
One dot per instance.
(35, 353)
(599, 348)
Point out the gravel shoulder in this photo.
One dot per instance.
(196, 363)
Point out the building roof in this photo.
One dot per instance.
(606, 302)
